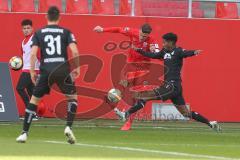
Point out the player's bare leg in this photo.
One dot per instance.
(129, 121)
(30, 112)
(198, 117)
(128, 124)
(71, 112)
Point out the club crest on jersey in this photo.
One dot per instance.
(145, 44)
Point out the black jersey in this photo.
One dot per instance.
(173, 61)
(53, 41)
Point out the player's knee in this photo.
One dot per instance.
(141, 103)
(35, 100)
(31, 109)
(72, 105)
(71, 97)
(186, 114)
(184, 110)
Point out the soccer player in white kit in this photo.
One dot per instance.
(25, 84)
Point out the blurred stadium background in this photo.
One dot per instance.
(168, 8)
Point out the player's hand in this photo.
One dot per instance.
(33, 77)
(135, 48)
(152, 47)
(75, 74)
(197, 52)
(98, 29)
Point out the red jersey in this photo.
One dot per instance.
(133, 34)
(26, 50)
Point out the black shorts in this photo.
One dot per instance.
(46, 82)
(171, 90)
(25, 82)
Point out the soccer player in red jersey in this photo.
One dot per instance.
(142, 39)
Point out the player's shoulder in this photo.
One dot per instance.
(179, 49)
(151, 39)
(37, 32)
(134, 30)
(65, 29)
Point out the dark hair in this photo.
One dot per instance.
(146, 28)
(170, 37)
(26, 22)
(53, 13)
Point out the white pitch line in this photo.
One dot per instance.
(147, 151)
(185, 145)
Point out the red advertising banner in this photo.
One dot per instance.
(210, 81)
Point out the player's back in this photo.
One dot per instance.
(53, 41)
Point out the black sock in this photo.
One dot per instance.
(198, 117)
(30, 112)
(139, 105)
(72, 109)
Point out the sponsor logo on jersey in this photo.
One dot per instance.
(50, 60)
(167, 56)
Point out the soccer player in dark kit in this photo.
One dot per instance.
(53, 41)
(172, 88)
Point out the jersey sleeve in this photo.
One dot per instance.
(153, 55)
(186, 53)
(21, 51)
(71, 38)
(123, 30)
(35, 40)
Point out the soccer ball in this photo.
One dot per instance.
(16, 63)
(114, 95)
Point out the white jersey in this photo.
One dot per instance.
(26, 49)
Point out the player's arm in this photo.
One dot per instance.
(21, 51)
(75, 54)
(33, 59)
(189, 53)
(72, 44)
(123, 30)
(153, 55)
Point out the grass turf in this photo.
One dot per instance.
(100, 139)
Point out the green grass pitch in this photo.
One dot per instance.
(102, 140)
